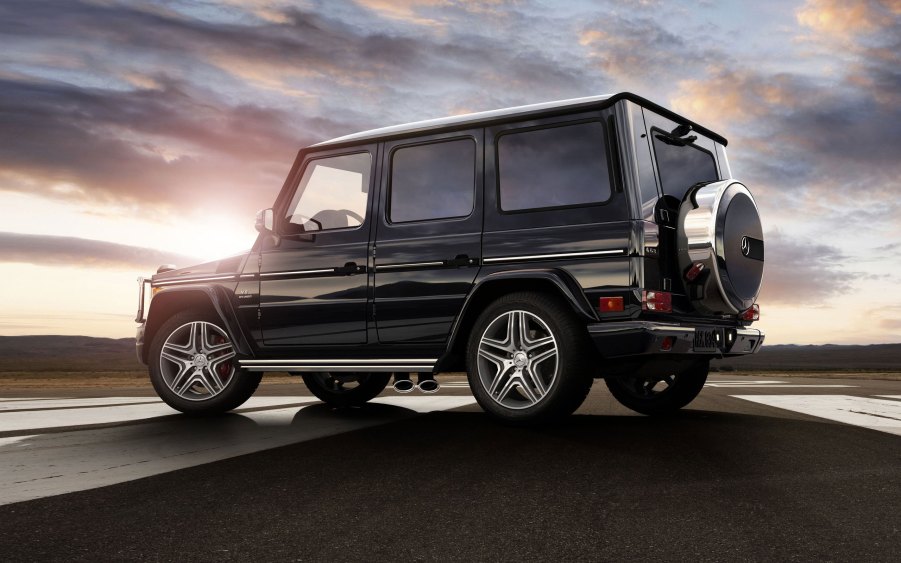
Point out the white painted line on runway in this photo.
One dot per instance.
(49, 419)
(744, 381)
(876, 414)
(50, 464)
(780, 386)
(58, 403)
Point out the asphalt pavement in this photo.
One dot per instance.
(757, 468)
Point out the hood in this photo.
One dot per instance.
(229, 265)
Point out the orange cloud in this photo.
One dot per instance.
(842, 19)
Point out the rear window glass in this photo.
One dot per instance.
(434, 181)
(555, 167)
(682, 166)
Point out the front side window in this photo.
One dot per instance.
(333, 194)
(434, 181)
(555, 167)
(681, 166)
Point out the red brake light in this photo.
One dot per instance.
(751, 314)
(610, 304)
(658, 301)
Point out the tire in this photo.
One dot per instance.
(191, 365)
(661, 394)
(535, 380)
(342, 390)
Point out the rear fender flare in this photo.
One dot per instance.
(559, 281)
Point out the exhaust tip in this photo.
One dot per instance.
(403, 386)
(429, 386)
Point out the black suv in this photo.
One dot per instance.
(536, 248)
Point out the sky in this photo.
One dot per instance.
(139, 133)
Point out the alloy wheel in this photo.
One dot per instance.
(517, 359)
(195, 361)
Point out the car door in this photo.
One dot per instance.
(428, 235)
(313, 278)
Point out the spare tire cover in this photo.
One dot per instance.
(719, 226)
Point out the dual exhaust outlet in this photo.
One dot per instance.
(425, 383)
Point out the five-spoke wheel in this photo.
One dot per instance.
(192, 365)
(528, 359)
(517, 359)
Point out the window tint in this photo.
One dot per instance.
(434, 181)
(553, 167)
(681, 167)
(332, 194)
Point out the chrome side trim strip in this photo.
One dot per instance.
(298, 272)
(194, 280)
(380, 365)
(547, 256)
(407, 265)
(327, 367)
(358, 361)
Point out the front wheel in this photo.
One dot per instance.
(192, 365)
(528, 359)
(661, 393)
(350, 389)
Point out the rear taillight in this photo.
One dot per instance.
(657, 301)
(751, 314)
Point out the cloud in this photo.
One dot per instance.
(803, 272)
(48, 250)
(843, 19)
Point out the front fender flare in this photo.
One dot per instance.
(217, 297)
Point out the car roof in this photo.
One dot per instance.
(500, 115)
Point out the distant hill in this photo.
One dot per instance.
(828, 357)
(67, 353)
(84, 353)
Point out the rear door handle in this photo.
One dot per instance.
(461, 260)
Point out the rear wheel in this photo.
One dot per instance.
(192, 365)
(528, 359)
(661, 393)
(346, 389)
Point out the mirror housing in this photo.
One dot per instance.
(265, 221)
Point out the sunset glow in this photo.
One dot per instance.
(139, 134)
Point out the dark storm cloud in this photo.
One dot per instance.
(47, 250)
(803, 272)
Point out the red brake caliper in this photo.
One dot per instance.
(224, 368)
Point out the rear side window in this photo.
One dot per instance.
(434, 181)
(682, 166)
(556, 167)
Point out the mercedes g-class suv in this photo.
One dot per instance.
(537, 248)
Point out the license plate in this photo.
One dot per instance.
(705, 340)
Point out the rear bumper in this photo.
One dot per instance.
(640, 338)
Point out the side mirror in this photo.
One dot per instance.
(265, 221)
